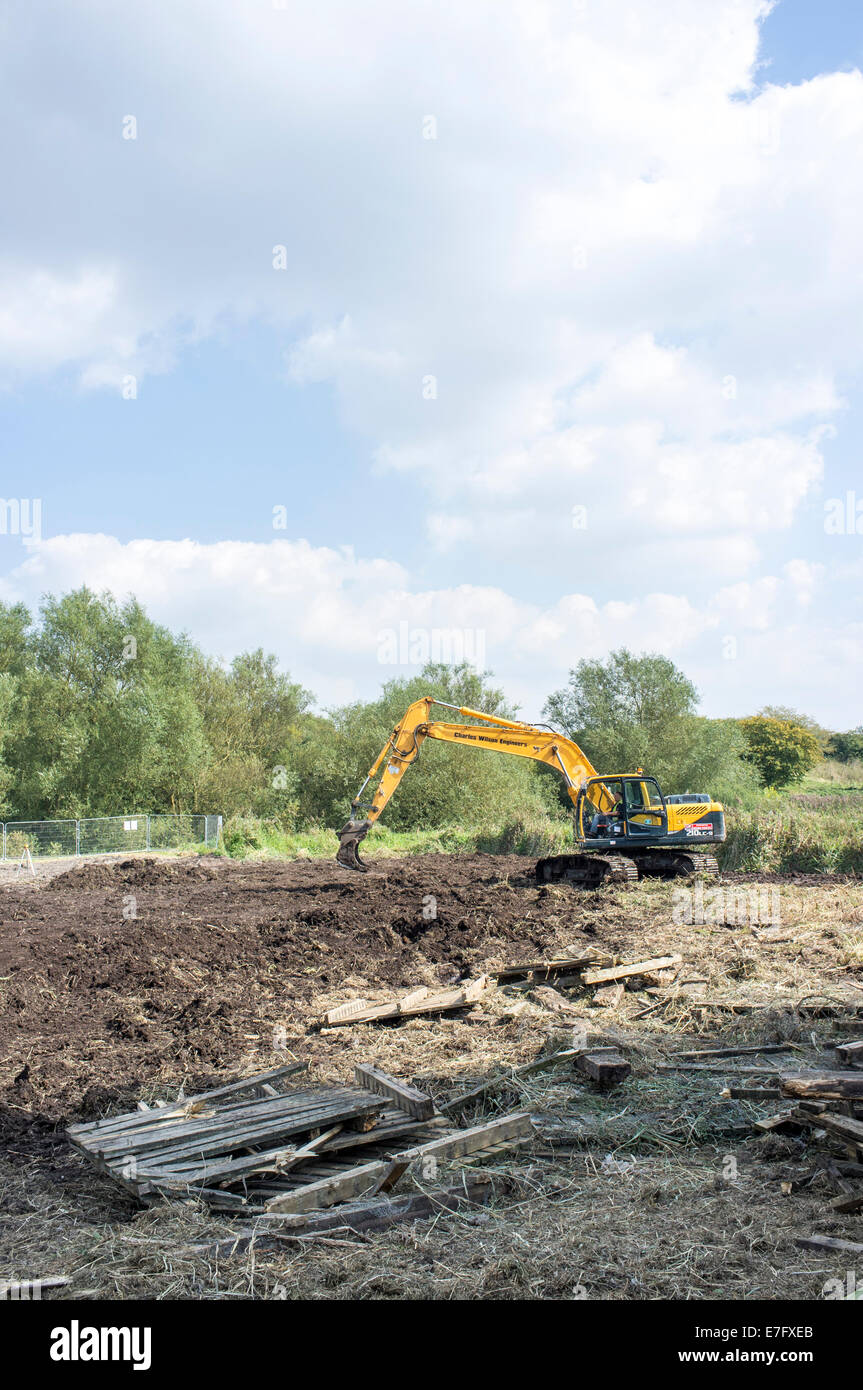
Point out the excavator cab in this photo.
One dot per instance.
(610, 809)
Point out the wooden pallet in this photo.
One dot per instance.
(250, 1147)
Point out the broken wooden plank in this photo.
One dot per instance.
(711, 1069)
(474, 989)
(416, 996)
(472, 1141)
(782, 1120)
(392, 1123)
(546, 968)
(374, 1214)
(850, 1053)
(566, 1054)
(275, 1160)
(215, 1136)
(407, 1098)
(707, 1052)
(848, 1203)
(605, 1067)
(179, 1107)
(750, 1093)
(27, 1289)
(622, 972)
(826, 1085)
(442, 1002)
(554, 1001)
(363, 1181)
(610, 996)
(851, 1247)
(843, 1126)
(344, 1012)
(335, 1018)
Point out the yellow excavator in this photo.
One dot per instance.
(624, 827)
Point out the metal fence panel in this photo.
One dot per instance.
(106, 834)
(176, 832)
(41, 837)
(109, 834)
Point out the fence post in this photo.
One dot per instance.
(148, 832)
(4, 839)
(77, 837)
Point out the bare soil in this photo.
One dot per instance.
(131, 978)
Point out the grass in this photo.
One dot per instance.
(781, 836)
(248, 838)
(803, 832)
(816, 827)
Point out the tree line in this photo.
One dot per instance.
(104, 711)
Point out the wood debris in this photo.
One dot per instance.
(610, 996)
(415, 1102)
(252, 1148)
(540, 970)
(824, 1085)
(706, 1053)
(622, 972)
(850, 1054)
(417, 1001)
(601, 1064)
(366, 1215)
(816, 1114)
(831, 1243)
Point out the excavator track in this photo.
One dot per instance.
(670, 863)
(586, 870)
(594, 870)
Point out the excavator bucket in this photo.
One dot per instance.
(349, 838)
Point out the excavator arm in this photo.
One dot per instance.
(493, 734)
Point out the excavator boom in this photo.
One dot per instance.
(647, 817)
(493, 734)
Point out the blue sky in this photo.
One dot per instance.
(565, 352)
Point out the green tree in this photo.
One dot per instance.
(628, 711)
(251, 714)
(16, 642)
(15, 638)
(640, 711)
(105, 717)
(447, 785)
(645, 692)
(848, 747)
(787, 715)
(782, 752)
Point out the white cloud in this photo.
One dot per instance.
(633, 274)
(47, 320)
(326, 612)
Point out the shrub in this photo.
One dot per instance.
(781, 752)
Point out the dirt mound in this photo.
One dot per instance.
(145, 966)
(115, 975)
(133, 873)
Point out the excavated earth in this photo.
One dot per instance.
(111, 970)
(128, 979)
